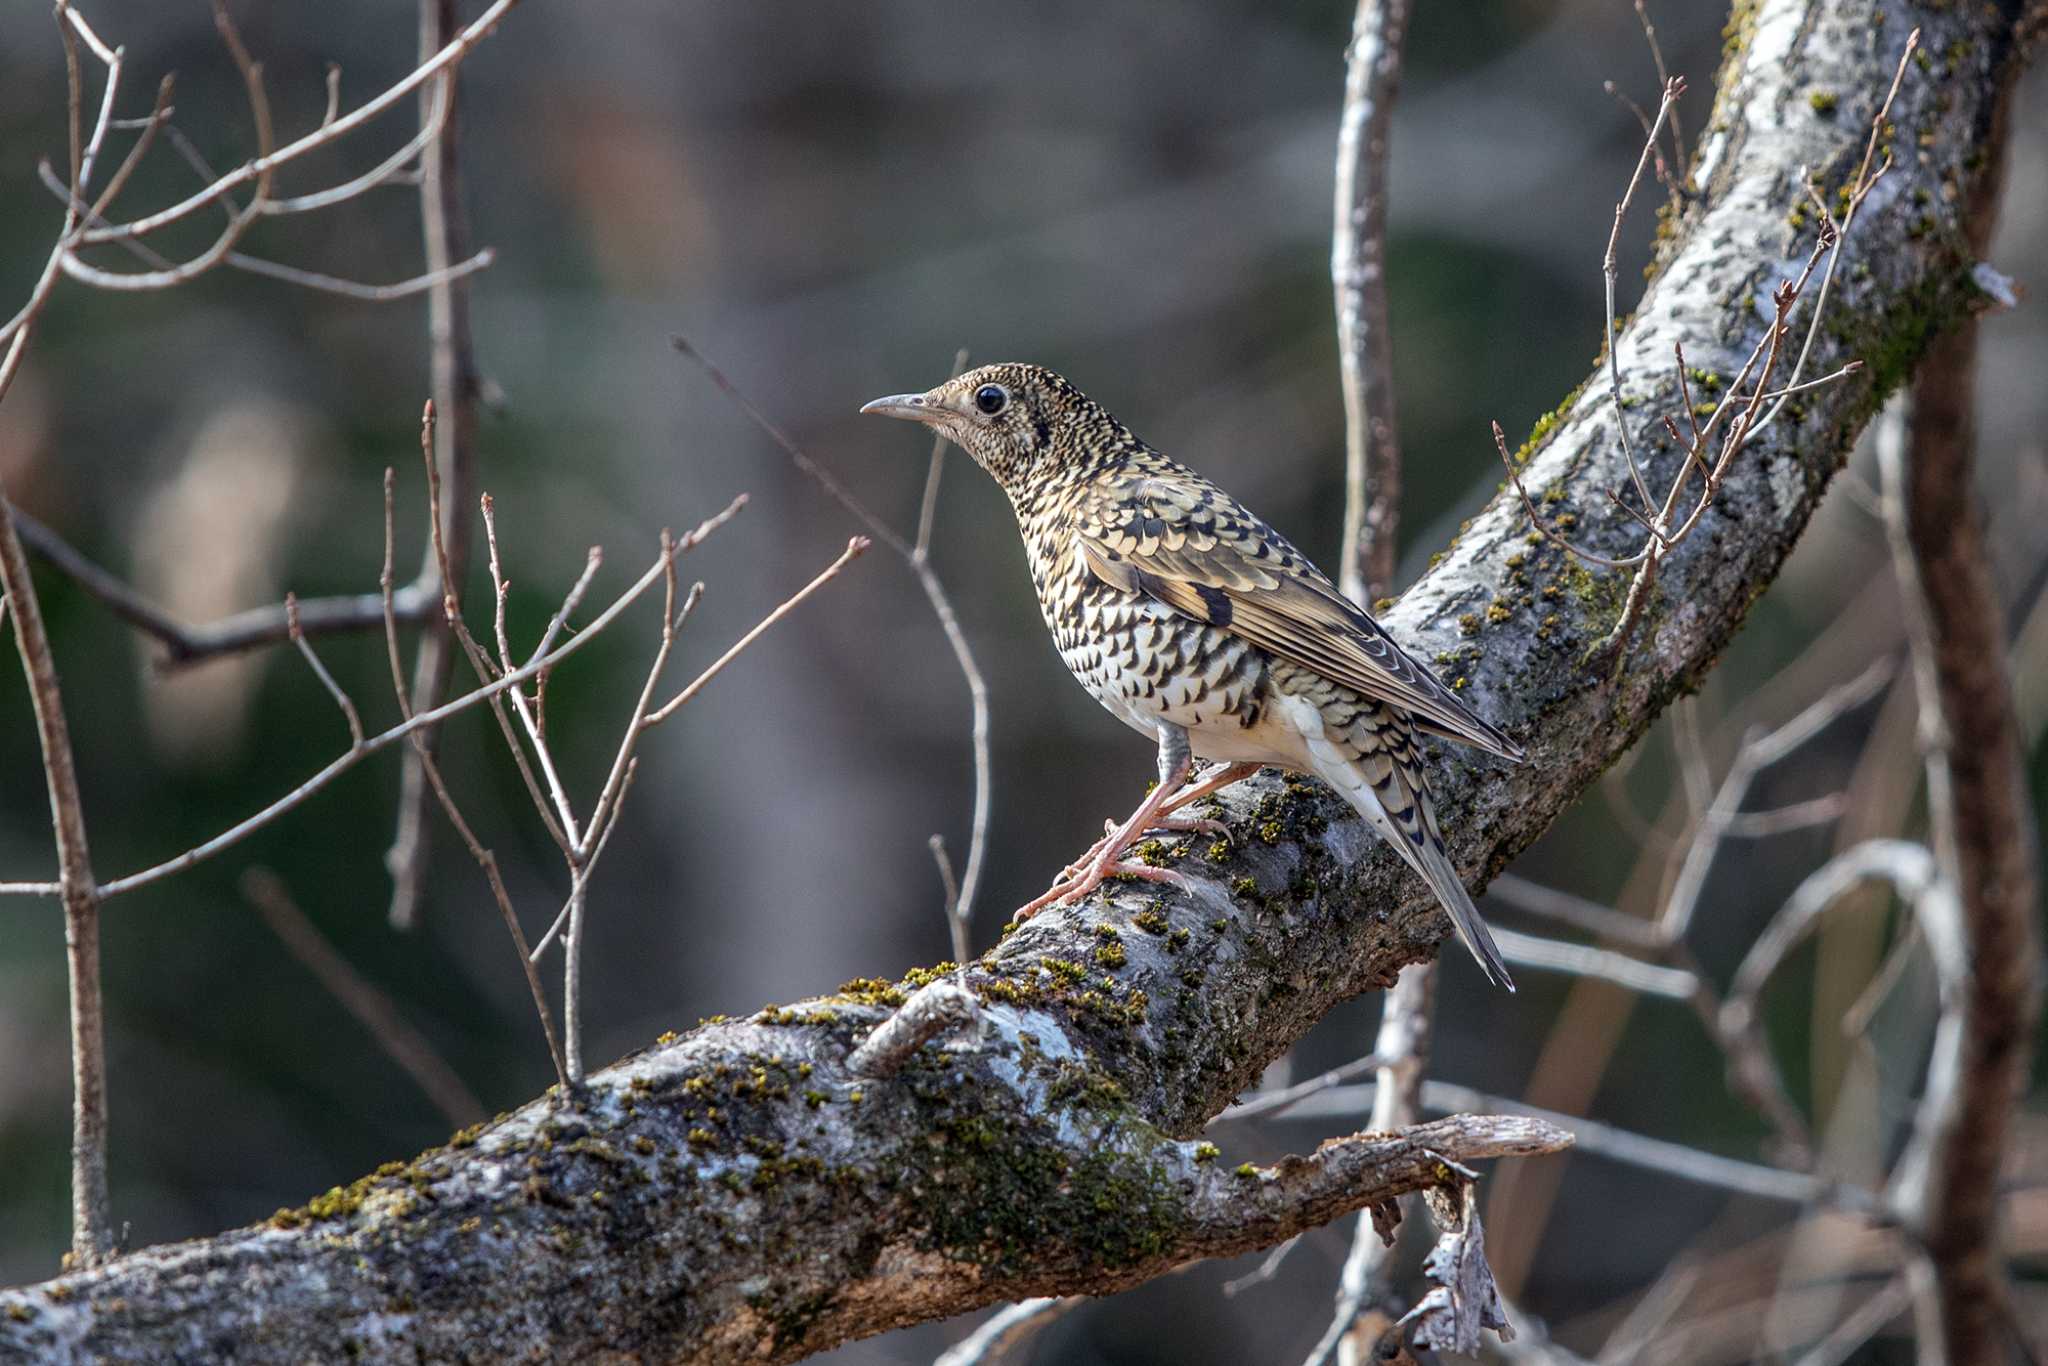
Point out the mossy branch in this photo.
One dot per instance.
(741, 1194)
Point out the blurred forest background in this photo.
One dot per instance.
(829, 201)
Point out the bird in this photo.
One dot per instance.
(1196, 623)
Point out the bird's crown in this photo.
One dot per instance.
(1022, 423)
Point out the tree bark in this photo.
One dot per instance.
(739, 1194)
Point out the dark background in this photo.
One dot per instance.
(830, 201)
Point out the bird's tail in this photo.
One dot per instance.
(1430, 860)
(1376, 769)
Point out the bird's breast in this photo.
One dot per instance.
(1144, 661)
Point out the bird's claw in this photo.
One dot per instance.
(1181, 825)
(1164, 825)
(1070, 888)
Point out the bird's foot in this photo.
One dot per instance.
(1098, 871)
(1162, 825)
(1106, 858)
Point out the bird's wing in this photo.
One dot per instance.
(1186, 543)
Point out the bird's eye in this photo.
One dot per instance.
(991, 398)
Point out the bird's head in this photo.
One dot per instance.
(1020, 422)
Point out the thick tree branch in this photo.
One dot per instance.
(737, 1194)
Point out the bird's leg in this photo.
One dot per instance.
(1215, 782)
(1220, 779)
(1104, 859)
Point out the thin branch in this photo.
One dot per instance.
(353, 289)
(1287, 1097)
(1907, 867)
(1580, 960)
(1859, 190)
(444, 230)
(92, 1235)
(1853, 1332)
(602, 816)
(328, 133)
(380, 174)
(1981, 935)
(1663, 527)
(371, 1006)
(238, 222)
(249, 630)
(1358, 276)
(1673, 87)
(956, 923)
(348, 708)
(823, 477)
(430, 773)
(928, 506)
(1664, 78)
(1599, 1139)
(1402, 1047)
(917, 556)
(583, 852)
(855, 548)
(242, 829)
(960, 899)
(1532, 898)
(1549, 533)
(1006, 1330)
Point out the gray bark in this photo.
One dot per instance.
(740, 1194)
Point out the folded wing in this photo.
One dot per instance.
(1189, 545)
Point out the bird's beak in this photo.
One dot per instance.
(910, 407)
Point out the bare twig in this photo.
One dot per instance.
(1372, 492)
(823, 477)
(444, 226)
(956, 923)
(959, 899)
(940, 1007)
(297, 797)
(1850, 1335)
(91, 1220)
(916, 554)
(92, 1237)
(260, 626)
(1006, 1330)
(1673, 87)
(1599, 1139)
(1906, 866)
(584, 849)
(1678, 163)
(1858, 190)
(328, 133)
(348, 708)
(371, 1006)
(582, 846)
(430, 771)
(1664, 525)
(855, 548)
(1402, 1048)
(1534, 899)
(1580, 960)
(1276, 1102)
